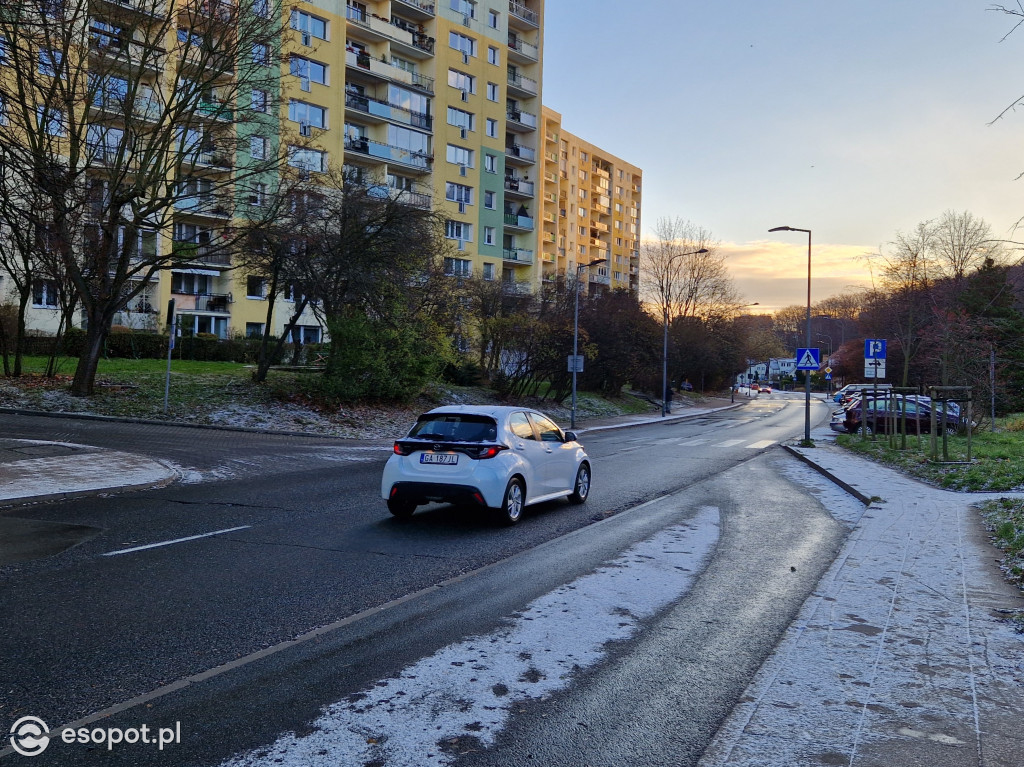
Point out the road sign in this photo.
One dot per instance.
(808, 359)
(575, 363)
(874, 348)
(874, 368)
(828, 376)
(828, 370)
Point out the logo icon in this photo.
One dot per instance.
(30, 736)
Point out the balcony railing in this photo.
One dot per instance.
(522, 186)
(523, 118)
(387, 152)
(423, 5)
(522, 152)
(526, 84)
(522, 12)
(383, 69)
(387, 111)
(394, 29)
(519, 45)
(519, 255)
(184, 250)
(522, 222)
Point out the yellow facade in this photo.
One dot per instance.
(591, 210)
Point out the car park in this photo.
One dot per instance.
(491, 457)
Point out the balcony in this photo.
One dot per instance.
(520, 121)
(193, 252)
(385, 111)
(363, 62)
(218, 303)
(522, 51)
(203, 206)
(520, 155)
(387, 153)
(521, 86)
(516, 221)
(598, 278)
(411, 40)
(522, 256)
(521, 17)
(518, 187)
(417, 9)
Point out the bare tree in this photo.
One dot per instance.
(679, 279)
(120, 137)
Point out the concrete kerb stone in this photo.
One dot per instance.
(828, 475)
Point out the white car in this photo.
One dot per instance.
(502, 458)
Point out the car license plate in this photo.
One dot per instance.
(445, 458)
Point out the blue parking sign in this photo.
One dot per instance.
(874, 348)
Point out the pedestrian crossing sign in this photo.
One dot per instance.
(808, 359)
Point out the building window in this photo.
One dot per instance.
(258, 196)
(489, 202)
(491, 163)
(254, 330)
(458, 193)
(308, 24)
(307, 159)
(460, 118)
(458, 155)
(50, 62)
(462, 81)
(462, 43)
(308, 71)
(257, 147)
(260, 54)
(458, 267)
(51, 120)
(492, 127)
(44, 294)
(493, 57)
(259, 100)
(306, 334)
(488, 235)
(465, 7)
(488, 271)
(492, 91)
(493, 19)
(308, 114)
(254, 287)
(457, 230)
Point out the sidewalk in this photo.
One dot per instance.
(902, 656)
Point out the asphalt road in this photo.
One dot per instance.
(317, 548)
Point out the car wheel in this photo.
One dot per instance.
(401, 507)
(581, 489)
(512, 503)
(951, 429)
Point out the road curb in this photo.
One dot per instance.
(30, 500)
(668, 419)
(828, 475)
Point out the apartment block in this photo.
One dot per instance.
(439, 102)
(591, 203)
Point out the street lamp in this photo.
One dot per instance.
(576, 335)
(807, 373)
(664, 349)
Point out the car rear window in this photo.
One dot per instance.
(455, 427)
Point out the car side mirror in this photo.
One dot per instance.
(570, 436)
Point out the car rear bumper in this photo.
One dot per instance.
(439, 492)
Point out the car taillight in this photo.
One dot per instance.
(490, 451)
(401, 449)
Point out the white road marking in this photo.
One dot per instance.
(176, 540)
(472, 686)
(761, 444)
(691, 442)
(730, 443)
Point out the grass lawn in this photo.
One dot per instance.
(997, 457)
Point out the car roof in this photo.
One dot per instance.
(495, 411)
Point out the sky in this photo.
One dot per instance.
(857, 120)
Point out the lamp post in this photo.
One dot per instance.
(664, 324)
(576, 334)
(807, 373)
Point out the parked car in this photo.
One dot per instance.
(500, 458)
(755, 387)
(766, 390)
(880, 413)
